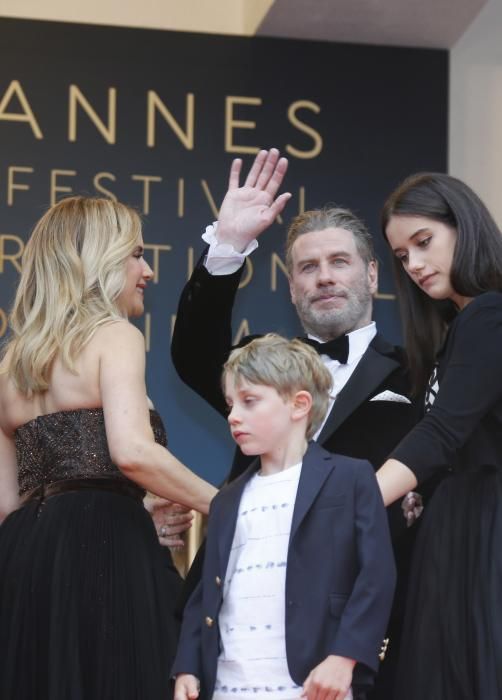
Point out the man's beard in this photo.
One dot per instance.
(334, 322)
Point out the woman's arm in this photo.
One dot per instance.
(470, 387)
(9, 494)
(127, 419)
(395, 480)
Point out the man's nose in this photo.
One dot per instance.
(325, 274)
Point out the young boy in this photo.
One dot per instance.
(299, 574)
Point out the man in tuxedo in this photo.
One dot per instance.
(333, 276)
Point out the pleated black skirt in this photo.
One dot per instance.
(452, 643)
(87, 598)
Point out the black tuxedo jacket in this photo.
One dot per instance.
(338, 588)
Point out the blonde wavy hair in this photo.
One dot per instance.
(286, 365)
(73, 270)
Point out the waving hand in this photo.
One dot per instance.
(248, 210)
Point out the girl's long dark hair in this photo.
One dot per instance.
(476, 265)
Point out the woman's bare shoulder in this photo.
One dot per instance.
(117, 332)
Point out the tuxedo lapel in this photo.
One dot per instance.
(317, 466)
(374, 366)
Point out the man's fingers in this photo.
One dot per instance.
(255, 171)
(279, 204)
(268, 169)
(235, 172)
(276, 177)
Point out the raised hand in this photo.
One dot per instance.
(248, 210)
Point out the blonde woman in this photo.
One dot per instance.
(86, 592)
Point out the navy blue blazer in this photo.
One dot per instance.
(340, 573)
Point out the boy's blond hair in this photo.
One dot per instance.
(286, 365)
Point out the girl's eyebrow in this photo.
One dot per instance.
(413, 235)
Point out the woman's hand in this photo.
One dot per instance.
(171, 520)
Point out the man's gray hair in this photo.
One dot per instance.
(330, 217)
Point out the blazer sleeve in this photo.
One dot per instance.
(366, 613)
(188, 653)
(470, 386)
(202, 336)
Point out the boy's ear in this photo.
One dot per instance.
(302, 403)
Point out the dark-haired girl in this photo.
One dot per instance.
(447, 252)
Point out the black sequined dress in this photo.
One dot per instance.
(87, 594)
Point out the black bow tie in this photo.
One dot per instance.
(337, 349)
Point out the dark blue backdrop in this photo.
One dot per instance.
(360, 119)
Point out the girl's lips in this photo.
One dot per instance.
(423, 281)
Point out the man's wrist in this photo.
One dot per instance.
(223, 258)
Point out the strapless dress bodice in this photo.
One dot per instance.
(69, 445)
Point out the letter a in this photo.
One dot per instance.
(26, 115)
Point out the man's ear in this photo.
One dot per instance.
(291, 290)
(373, 276)
(302, 404)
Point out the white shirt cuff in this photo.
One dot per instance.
(222, 258)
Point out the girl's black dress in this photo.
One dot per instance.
(452, 641)
(87, 594)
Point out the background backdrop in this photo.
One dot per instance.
(155, 118)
